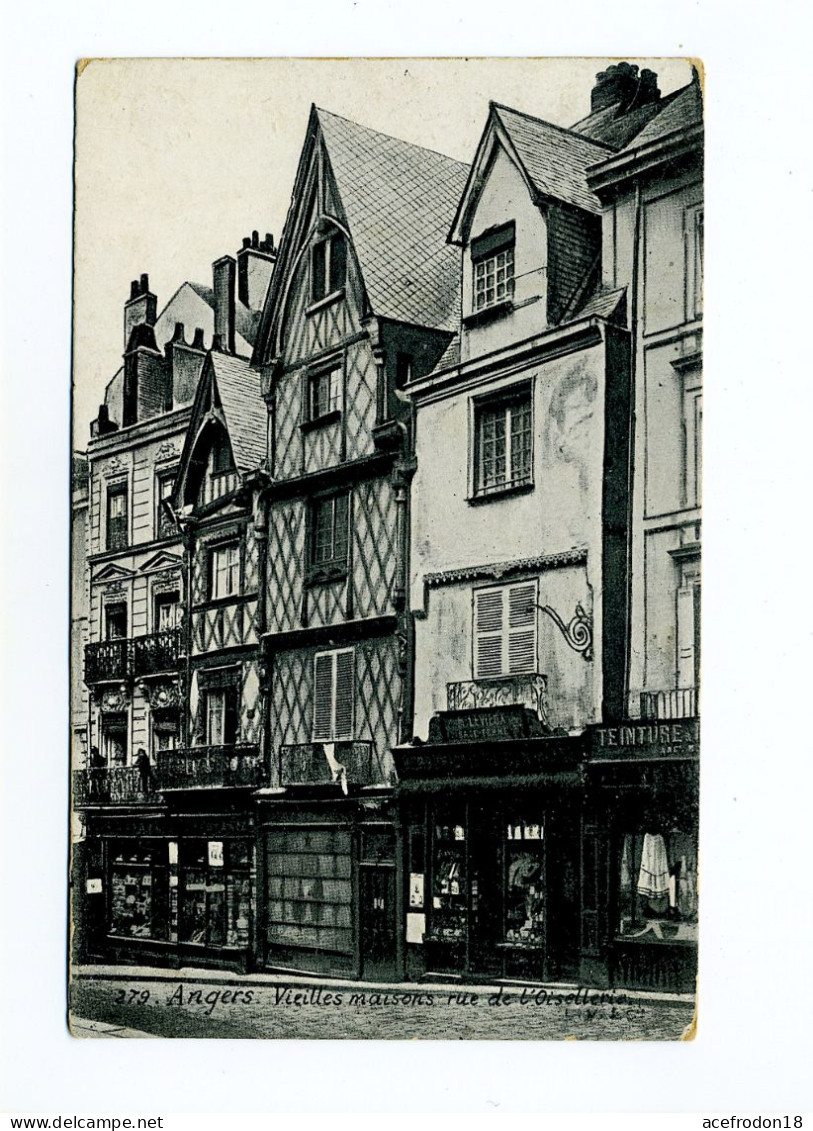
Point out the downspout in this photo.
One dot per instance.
(634, 286)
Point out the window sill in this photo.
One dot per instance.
(326, 574)
(321, 303)
(489, 313)
(523, 488)
(321, 421)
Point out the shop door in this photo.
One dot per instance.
(377, 899)
(485, 890)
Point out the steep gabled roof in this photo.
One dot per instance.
(246, 416)
(614, 127)
(399, 200)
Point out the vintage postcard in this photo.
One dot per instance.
(386, 541)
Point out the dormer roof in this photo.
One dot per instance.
(552, 161)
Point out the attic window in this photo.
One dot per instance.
(492, 258)
(222, 459)
(328, 266)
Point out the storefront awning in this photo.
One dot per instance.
(507, 764)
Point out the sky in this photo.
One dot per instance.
(177, 160)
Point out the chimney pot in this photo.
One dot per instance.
(621, 85)
(269, 242)
(178, 335)
(145, 284)
(134, 289)
(246, 241)
(255, 238)
(197, 340)
(217, 343)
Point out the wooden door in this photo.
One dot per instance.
(378, 919)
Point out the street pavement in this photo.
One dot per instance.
(180, 1006)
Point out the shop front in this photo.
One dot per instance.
(641, 828)
(330, 885)
(491, 831)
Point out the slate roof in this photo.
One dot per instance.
(602, 304)
(684, 109)
(246, 415)
(399, 201)
(245, 320)
(555, 159)
(614, 129)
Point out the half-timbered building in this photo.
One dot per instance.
(364, 297)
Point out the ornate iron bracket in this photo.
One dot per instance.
(578, 634)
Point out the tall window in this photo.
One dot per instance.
(688, 626)
(328, 266)
(115, 621)
(224, 571)
(222, 458)
(333, 694)
(114, 738)
(117, 533)
(164, 522)
(324, 392)
(505, 630)
(221, 716)
(328, 548)
(167, 611)
(492, 256)
(694, 255)
(504, 443)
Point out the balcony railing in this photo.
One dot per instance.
(115, 785)
(349, 763)
(107, 660)
(529, 690)
(115, 660)
(673, 703)
(207, 767)
(156, 653)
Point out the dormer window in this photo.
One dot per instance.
(328, 266)
(492, 258)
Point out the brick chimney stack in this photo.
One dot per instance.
(621, 85)
(223, 273)
(255, 265)
(140, 309)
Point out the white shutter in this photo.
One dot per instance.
(345, 692)
(215, 711)
(322, 696)
(488, 633)
(522, 628)
(685, 636)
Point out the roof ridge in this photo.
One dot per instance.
(662, 102)
(543, 122)
(392, 137)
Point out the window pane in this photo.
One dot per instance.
(338, 265)
(318, 270)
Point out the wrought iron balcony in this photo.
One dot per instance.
(211, 767)
(107, 660)
(111, 661)
(529, 690)
(156, 653)
(673, 703)
(114, 785)
(351, 763)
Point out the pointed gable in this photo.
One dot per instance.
(553, 162)
(395, 201)
(228, 401)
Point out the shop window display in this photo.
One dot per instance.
(525, 883)
(310, 889)
(658, 886)
(216, 893)
(450, 891)
(139, 895)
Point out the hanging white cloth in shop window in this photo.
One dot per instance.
(336, 768)
(653, 878)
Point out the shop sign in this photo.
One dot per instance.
(490, 724)
(415, 927)
(416, 889)
(676, 738)
(173, 852)
(215, 853)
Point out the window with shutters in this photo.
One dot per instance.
(117, 517)
(328, 267)
(164, 518)
(503, 440)
(333, 695)
(505, 630)
(688, 626)
(328, 541)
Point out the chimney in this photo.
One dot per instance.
(255, 265)
(140, 309)
(223, 272)
(103, 425)
(621, 85)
